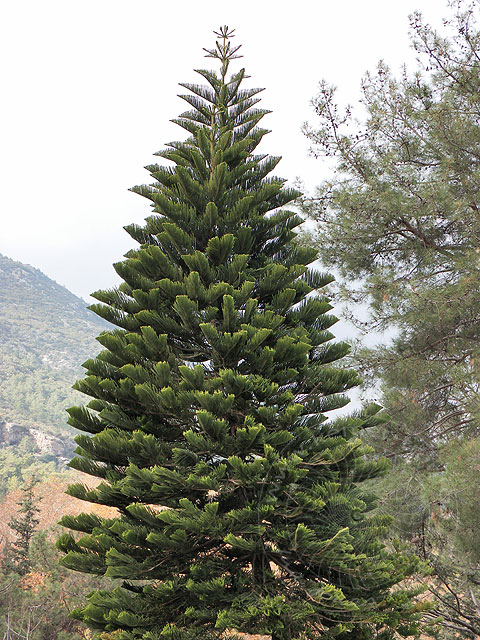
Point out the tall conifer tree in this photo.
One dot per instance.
(239, 505)
(24, 525)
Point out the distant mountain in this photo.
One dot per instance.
(46, 332)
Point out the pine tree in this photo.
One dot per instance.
(399, 222)
(239, 505)
(24, 526)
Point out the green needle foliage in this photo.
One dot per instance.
(239, 505)
(400, 221)
(24, 526)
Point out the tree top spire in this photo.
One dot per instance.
(224, 51)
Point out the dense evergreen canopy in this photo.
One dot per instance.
(239, 504)
(400, 221)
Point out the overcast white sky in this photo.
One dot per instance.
(89, 87)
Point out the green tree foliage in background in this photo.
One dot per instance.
(400, 222)
(21, 462)
(36, 605)
(24, 527)
(240, 505)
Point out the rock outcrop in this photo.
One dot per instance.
(11, 434)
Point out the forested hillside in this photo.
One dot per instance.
(46, 332)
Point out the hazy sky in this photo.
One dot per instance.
(89, 87)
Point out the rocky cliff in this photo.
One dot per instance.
(41, 442)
